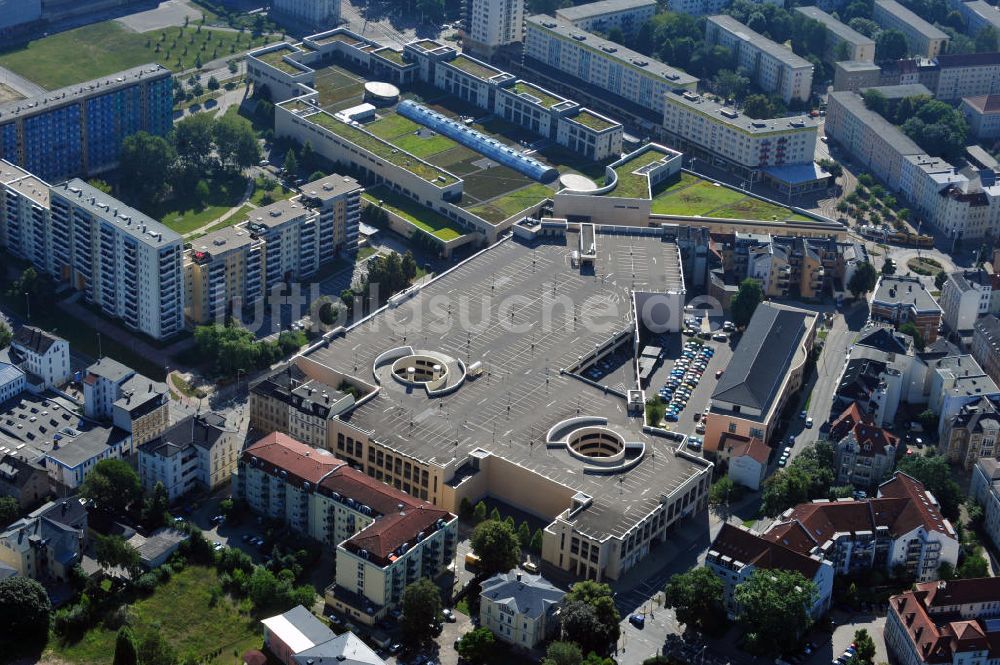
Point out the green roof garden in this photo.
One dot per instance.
(423, 218)
(390, 55)
(546, 99)
(477, 69)
(384, 150)
(276, 59)
(428, 44)
(593, 121)
(632, 185)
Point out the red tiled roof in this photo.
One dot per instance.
(961, 592)
(382, 537)
(741, 445)
(872, 439)
(301, 462)
(922, 511)
(378, 496)
(747, 547)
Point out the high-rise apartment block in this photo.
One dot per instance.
(78, 130)
(922, 38)
(773, 67)
(123, 261)
(842, 41)
(492, 24)
(315, 14)
(601, 16)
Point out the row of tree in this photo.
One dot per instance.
(230, 348)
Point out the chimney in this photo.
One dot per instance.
(519, 576)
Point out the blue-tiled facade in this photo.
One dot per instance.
(84, 136)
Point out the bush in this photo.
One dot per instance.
(146, 584)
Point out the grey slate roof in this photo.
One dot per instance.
(762, 357)
(345, 649)
(202, 431)
(76, 450)
(35, 339)
(530, 595)
(883, 339)
(306, 622)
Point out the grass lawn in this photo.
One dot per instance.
(184, 215)
(501, 208)
(105, 48)
(463, 606)
(423, 218)
(181, 611)
(698, 199)
(751, 208)
(631, 185)
(278, 192)
(365, 252)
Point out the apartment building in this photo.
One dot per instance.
(984, 488)
(855, 75)
(25, 229)
(520, 609)
(80, 448)
(842, 42)
(44, 357)
(13, 380)
(728, 139)
(609, 74)
(118, 394)
(766, 370)
(385, 538)
(46, 544)
(986, 345)
(965, 296)
(783, 269)
(291, 240)
(78, 130)
(737, 552)
(901, 299)
(956, 381)
(965, 75)
(337, 200)
(973, 433)
(310, 14)
(922, 38)
(26, 482)
(198, 452)
(978, 14)
(983, 115)
(773, 67)
(601, 16)
(123, 261)
(949, 622)
(698, 7)
(864, 453)
(223, 273)
(747, 459)
(491, 25)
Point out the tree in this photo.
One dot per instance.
(910, 329)
(863, 280)
(745, 301)
(479, 512)
(145, 162)
(421, 609)
(986, 40)
(697, 598)
(115, 552)
(616, 35)
(9, 510)
(939, 280)
(808, 477)
(732, 85)
(495, 514)
(327, 311)
(594, 618)
(875, 101)
(774, 608)
(537, 541)
(155, 511)
(933, 471)
(974, 566)
(126, 651)
(865, 645)
(236, 142)
(233, 67)
(497, 547)
(112, 485)
(758, 107)
(99, 184)
(155, 650)
(307, 158)
(213, 83)
(291, 162)
(476, 645)
(24, 610)
(192, 139)
(890, 45)
(562, 653)
(888, 267)
(6, 336)
(524, 534)
(721, 491)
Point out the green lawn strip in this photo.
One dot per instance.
(751, 208)
(392, 125)
(182, 611)
(544, 98)
(105, 48)
(631, 185)
(278, 192)
(423, 218)
(595, 122)
(424, 147)
(184, 215)
(469, 66)
(277, 60)
(698, 199)
(500, 208)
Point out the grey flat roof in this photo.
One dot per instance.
(888, 131)
(133, 222)
(759, 41)
(330, 187)
(763, 356)
(732, 117)
(523, 392)
(905, 291)
(74, 451)
(79, 91)
(857, 65)
(611, 50)
(988, 12)
(223, 240)
(32, 188)
(278, 213)
(600, 8)
(843, 32)
(902, 91)
(110, 369)
(10, 172)
(911, 19)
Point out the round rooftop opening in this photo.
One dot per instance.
(577, 182)
(419, 370)
(381, 93)
(596, 445)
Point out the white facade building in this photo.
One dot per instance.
(198, 452)
(923, 38)
(856, 47)
(601, 16)
(12, 381)
(982, 112)
(123, 261)
(773, 67)
(42, 354)
(985, 489)
(965, 297)
(520, 609)
(492, 24)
